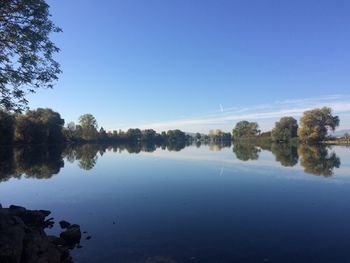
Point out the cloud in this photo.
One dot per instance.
(265, 114)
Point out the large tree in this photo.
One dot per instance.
(285, 130)
(39, 126)
(26, 51)
(245, 129)
(88, 126)
(315, 124)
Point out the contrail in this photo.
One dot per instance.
(221, 108)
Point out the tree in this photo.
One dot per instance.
(316, 123)
(245, 129)
(103, 134)
(219, 136)
(6, 127)
(39, 126)
(346, 136)
(89, 126)
(134, 134)
(26, 51)
(285, 130)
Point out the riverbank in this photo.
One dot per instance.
(23, 239)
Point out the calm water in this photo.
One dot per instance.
(242, 203)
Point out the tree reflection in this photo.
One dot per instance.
(39, 162)
(286, 154)
(246, 151)
(45, 161)
(218, 146)
(317, 160)
(85, 154)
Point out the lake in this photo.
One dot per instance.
(200, 203)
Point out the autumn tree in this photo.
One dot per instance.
(39, 126)
(315, 124)
(26, 51)
(245, 129)
(88, 126)
(285, 130)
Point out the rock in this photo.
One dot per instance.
(16, 207)
(64, 224)
(45, 212)
(23, 239)
(12, 232)
(72, 235)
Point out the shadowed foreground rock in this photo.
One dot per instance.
(23, 239)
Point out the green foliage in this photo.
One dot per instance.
(176, 135)
(245, 129)
(88, 126)
(316, 123)
(39, 126)
(285, 130)
(26, 51)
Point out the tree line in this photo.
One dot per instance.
(314, 127)
(45, 126)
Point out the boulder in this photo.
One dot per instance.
(64, 224)
(72, 235)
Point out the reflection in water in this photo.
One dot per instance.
(317, 160)
(45, 161)
(39, 162)
(286, 154)
(246, 151)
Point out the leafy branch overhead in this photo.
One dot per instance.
(26, 51)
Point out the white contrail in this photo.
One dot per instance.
(221, 108)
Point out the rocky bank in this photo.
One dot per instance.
(23, 239)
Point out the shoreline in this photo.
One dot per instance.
(23, 237)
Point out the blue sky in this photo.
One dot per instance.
(198, 65)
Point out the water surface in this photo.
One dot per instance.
(242, 203)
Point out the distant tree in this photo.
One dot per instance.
(285, 130)
(148, 135)
(69, 131)
(176, 135)
(89, 127)
(133, 134)
(245, 129)
(198, 136)
(7, 124)
(346, 136)
(314, 124)
(103, 134)
(218, 135)
(26, 51)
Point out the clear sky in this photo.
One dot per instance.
(199, 64)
